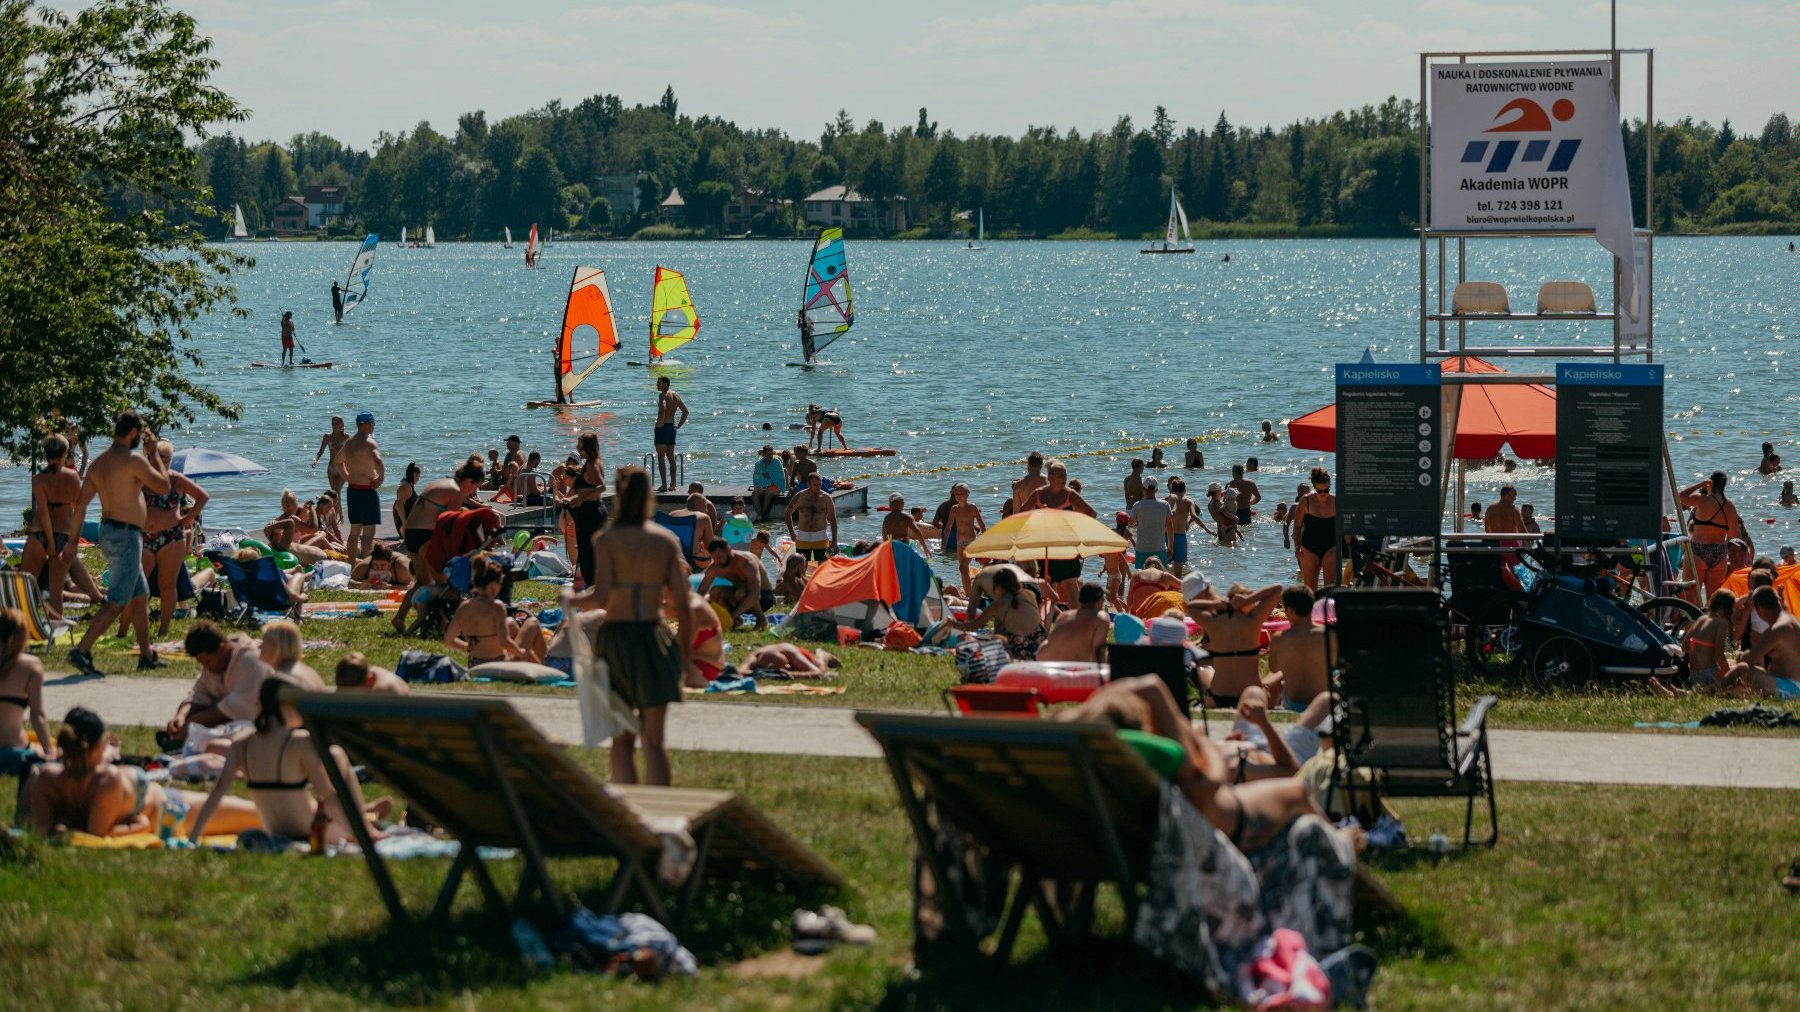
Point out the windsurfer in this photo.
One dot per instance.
(812, 520)
(363, 469)
(668, 404)
(287, 337)
(337, 302)
(806, 336)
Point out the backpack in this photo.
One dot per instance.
(979, 660)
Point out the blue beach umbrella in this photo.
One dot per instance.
(198, 463)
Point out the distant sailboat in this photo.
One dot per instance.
(508, 232)
(980, 230)
(430, 238)
(673, 319)
(403, 237)
(356, 285)
(238, 231)
(825, 309)
(1177, 230)
(587, 322)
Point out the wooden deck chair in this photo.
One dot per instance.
(477, 768)
(1065, 805)
(20, 590)
(1480, 298)
(1392, 678)
(1565, 297)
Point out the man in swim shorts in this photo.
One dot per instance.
(742, 592)
(1248, 495)
(120, 476)
(1183, 513)
(812, 521)
(287, 338)
(668, 405)
(363, 471)
(1772, 666)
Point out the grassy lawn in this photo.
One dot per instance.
(879, 679)
(1650, 898)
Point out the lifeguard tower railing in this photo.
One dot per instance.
(1434, 292)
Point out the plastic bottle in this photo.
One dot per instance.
(1438, 844)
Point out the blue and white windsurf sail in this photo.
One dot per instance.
(356, 288)
(825, 308)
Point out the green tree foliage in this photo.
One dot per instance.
(100, 214)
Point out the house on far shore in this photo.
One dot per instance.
(325, 204)
(674, 209)
(622, 192)
(844, 208)
(745, 205)
(288, 215)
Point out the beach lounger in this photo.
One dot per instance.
(20, 590)
(995, 700)
(1065, 805)
(1565, 297)
(1397, 692)
(1480, 298)
(482, 772)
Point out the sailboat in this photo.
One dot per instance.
(587, 317)
(673, 319)
(980, 230)
(531, 247)
(238, 232)
(430, 238)
(508, 232)
(1177, 231)
(825, 309)
(403, 237)
(356, 284)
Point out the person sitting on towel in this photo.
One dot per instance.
(481, 626)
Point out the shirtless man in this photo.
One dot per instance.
(898, 525)
(454, 492)
(668, 405)
(1268, 432)
(1772, 666)
(514, 459)
(362, 469)
(1504, 517)
(962, 524)
(1134, 483)
(120, 476)
(745, 576)
(812, 521)
(527, 483)
(1080, 635)
(1234, 638)
(823, 421)
(1056, 494)
(1034, 479)
(355, 673)
(1248, 495)
(804, 467)
(287, 338)
(334, 442)
(697, 500)
(1297, 656)
(1183, 513)
(1528, 519)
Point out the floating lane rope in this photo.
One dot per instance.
(1217, 435)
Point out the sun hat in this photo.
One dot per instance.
(1214, 488)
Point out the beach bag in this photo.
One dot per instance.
(548, 564)
(900, 636)
(429, 668)
(978, 660)
(213, 603)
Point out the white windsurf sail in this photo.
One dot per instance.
(356, 287)
(508, 232)
(430, 237)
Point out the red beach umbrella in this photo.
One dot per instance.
(1493, 415)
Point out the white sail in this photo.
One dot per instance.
(430, 237)
(1169, 236)
(508, 231)
(238, 231)
(981, 224)
(403, 235)
(1181, 215)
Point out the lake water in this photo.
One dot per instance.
(962, 361)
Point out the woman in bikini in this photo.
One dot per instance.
(405, 494)
(21, 698)
(639, 576)
(706, 656)
(279, 762)
(1317, 533)
(53, 493)
(586, 502)
(168, 523)
(328, 520)
(1234, 639)
(87, 791)
(1016, 613)
(482, 626)
(1715, 523)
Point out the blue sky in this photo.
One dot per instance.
(355, 67)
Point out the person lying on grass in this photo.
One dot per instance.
(795, 660)
(279, 762)
(354, 672)
(482, 627)
(90, 792)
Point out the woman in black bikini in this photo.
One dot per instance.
(53, 493)
(1715, 523)
(405, 495)
(283, 753)
(1234, 639)
(482, 627)
(586, 503)
(167, 520)
(1318, 532)
(21, 697)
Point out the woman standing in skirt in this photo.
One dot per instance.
(638, 576)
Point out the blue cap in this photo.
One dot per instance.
(365, 418)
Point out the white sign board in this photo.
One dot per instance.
(1521, 147)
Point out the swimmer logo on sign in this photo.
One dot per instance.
(1531, 118)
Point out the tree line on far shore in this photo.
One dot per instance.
(1351, 173)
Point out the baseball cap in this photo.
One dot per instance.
(1122, 517)
(896, 497)
(572, 459)
(365, 418)
(512, 439)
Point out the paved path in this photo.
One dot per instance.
(1694, 760)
